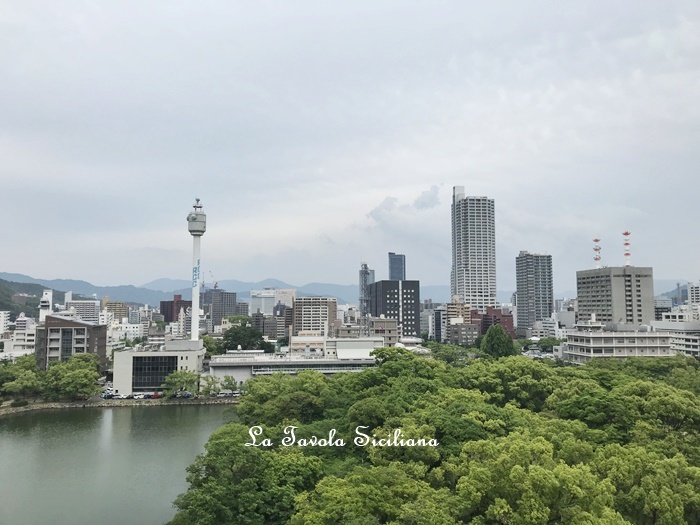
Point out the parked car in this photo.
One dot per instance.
(138, 396)
(147, 396)
(156, 396)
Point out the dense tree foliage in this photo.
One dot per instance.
(181, 381)
(247, 337)
(497, 343)
(548, 343)
(73, 379)
(520, 442)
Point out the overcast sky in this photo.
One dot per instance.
(322, 134)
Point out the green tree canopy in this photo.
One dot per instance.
(497, 343)
(247, 337)
(75, 378)
(521, 441)
(27, 384)
(181, 381)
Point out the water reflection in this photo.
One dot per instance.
(107, 466)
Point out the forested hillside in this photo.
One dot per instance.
(20, 297)
(520, 442)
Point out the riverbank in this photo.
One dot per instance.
(111, 403)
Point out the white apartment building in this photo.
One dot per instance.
(473, 276)
(23, 322)
(693, 293)
(590, 341)
(22, 341)
(4, 321)
(88, 311)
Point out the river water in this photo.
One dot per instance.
(99, 466)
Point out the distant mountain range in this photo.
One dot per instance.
(163, 289)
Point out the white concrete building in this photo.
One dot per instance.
(145, 370)
(23, 322)
(88, 311)
(242, 366)
(591, 341)
(693, 293)
(4, 322)
(45, 305)
(23, 339)
(263, 300)
(22, 342)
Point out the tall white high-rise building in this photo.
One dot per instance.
(473, 276)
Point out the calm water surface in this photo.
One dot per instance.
(102, 466)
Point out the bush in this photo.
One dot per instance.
(21, 403)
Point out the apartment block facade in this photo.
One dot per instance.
(535, 290)
(616, 294)
(314, 313)
(473, 276)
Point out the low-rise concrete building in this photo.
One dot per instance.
(145, 369)
(243, 366)
(590, 340)
(685, 335)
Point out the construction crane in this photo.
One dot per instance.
(216, 284)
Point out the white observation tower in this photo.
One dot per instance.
(196, 225)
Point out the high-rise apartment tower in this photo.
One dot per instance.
(533, 275)
(473, 276)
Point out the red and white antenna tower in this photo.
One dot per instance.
(596, 249)
(626, 236)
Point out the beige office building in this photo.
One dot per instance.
(314, 313)
(616, 295)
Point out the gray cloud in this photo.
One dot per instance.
(428, 199)
(292, 122)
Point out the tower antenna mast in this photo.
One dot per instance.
(196, 225)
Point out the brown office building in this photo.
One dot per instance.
(61, 338)
(171, 309)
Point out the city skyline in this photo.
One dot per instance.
(341, 142)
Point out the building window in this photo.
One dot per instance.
(149, 372)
